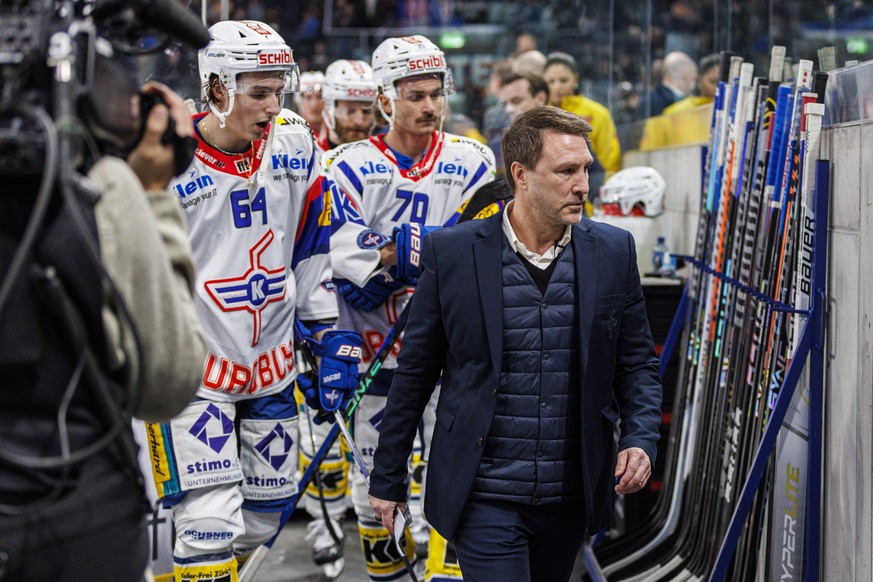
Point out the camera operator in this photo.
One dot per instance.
(96, 314)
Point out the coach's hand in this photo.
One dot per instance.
(383, 511)
(633, 470)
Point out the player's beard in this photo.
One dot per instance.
(350, 134)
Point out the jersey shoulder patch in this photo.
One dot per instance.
(345, 152)
(471, 145)
(289, 122)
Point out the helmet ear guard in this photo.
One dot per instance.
(635, 187)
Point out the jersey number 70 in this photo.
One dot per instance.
(418, 201)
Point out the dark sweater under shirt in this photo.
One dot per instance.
(540, 277)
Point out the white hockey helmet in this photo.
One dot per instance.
(632, 187)
(311, 82)
(346, 80)
(409, 56)
(244, 46)
(349, 81)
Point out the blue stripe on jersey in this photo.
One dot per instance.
(311, 238)
(353, 178)
(311, 163)
(479, 173)
(342, 208)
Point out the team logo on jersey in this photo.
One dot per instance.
(274, 447)
(370, 239)
(212, 428)
(450, 168)
(243, 165)
(329, 286)
(192, 186)
(296, 161)
(253, 290)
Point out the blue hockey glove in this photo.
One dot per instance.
(307, 383)
(409, 238)
(373, 293)
(340, 353)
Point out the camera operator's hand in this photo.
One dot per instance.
(152, 159)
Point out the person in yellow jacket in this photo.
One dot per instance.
(688, 120)
(562, 75)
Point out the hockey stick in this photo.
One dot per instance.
(247, 572)
(340, 421)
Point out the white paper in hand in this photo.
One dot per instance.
(402, 520)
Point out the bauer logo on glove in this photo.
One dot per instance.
(408, 238)
(340, 352)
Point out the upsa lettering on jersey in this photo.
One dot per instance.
(297, 162)
(192, 186)
(447, 168)
(275, 57)
(431, 62)
(377, 168)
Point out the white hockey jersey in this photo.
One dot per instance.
(259, 234)
(371, 194)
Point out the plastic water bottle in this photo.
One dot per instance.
(663, 263)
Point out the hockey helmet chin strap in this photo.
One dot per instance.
(222, 117)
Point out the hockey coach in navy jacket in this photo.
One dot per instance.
(536, 322)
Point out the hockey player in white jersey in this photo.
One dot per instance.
(310, 102)
(254, 203)
(349, 93)
(387, 192)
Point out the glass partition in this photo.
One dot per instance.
(619, 47)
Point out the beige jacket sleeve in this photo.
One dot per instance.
(145, 249)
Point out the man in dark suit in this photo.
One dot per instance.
(678, 81)
(535, 320)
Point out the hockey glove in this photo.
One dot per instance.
(373, 293)
(307, 383)
(408, 238)
(340, 353)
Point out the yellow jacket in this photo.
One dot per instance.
(684, 122)
(604, 138)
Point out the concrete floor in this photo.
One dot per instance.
(290, 560)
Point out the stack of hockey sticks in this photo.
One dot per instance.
(488, 200)
(748, 292)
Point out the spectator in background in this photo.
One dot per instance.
(707, 83)
(562, 76)
(532, 61)
(525, 41)
(523, 92)
(678, 80)
(684, 122)
(496, 120)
